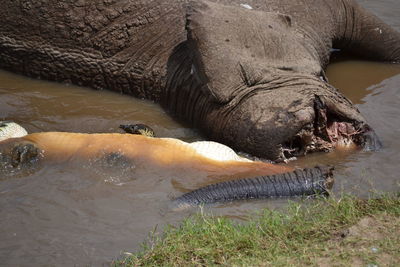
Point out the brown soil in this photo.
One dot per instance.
(365, 244)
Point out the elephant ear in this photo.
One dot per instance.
(235, 48)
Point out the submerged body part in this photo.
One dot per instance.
(161, 153)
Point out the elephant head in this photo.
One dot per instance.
(254, 81)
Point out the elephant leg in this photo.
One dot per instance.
(362, 33)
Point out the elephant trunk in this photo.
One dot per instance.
(304, 182)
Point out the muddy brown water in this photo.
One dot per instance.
(85, 216)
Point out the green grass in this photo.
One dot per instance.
(343, 232)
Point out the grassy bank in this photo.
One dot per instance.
(341, 232)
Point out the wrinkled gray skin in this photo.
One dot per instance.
(252, 79)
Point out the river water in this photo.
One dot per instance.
(67, 216)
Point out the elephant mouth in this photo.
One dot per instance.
(329, 131)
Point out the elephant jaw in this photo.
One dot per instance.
(328, 132)
(288, 117)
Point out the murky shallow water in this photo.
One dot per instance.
(63, 216)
